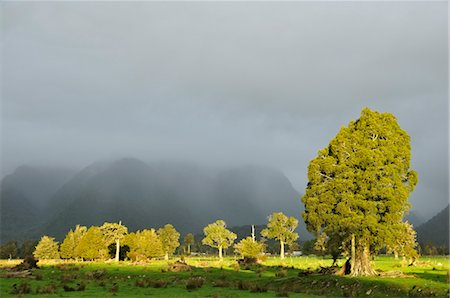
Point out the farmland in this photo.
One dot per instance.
(209, 277)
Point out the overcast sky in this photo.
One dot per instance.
(221, 83)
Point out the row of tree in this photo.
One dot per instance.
(96, 242)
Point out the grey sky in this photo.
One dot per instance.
(221, 83)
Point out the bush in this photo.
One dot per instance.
(249, 248)
(23, 288)
(194, 283)
(281, 273)
(48, 289)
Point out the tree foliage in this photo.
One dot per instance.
(359, 186)
(47, 248)
(403, 241)
(143, 245)
(249, 248)
(169, 238)
(114, 233)
(9, 250)
(217, 235)
(188, 241)
(92, 245)
(68, 249)
(281, 228)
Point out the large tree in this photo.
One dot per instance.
(47, 248)
(217, 235)
(281, 228)
(359, 186)
(169, 238)
(114, 233)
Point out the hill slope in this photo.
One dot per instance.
(143, 195)
(435, 230)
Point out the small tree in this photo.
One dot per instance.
(92, 246)
(143, 244)
(70, 243)
(47, 248)
(9, 250)
(114, 233)
(247, 247)
(170, 239)
(403, 242)
(217, 235)
(281, 228)
(188, 241)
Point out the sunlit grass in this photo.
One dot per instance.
(225, 279)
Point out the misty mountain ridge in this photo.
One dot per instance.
(144, 195)
(435, 230)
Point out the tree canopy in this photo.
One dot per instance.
(359, 186)
(169, 238)
(217, 235)
(143, 245)
(92, 245)
(247, 247)
(68, 248)
(188, 241)
(47, 248)
(281, 228)
(114, 233)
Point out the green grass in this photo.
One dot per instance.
(223, 279)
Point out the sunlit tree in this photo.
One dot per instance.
(114, 233)
(92, 245)
(170, 239)
(217, 235)
(47, 248)
(143, 245)
(70, 243)
(359, 186)
(248, 247)
(281, 228)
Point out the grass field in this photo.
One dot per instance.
(212, 278)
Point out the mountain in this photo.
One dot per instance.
(414, 218)
(435, 230)
(144, 195)
(23, 197)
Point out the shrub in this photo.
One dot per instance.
(194, 283)
(48, 289)
(281, 273)
(23, 288)
(249, 248)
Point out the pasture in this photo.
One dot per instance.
(209, 277)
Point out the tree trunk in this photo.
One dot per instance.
(353, 256)
(166, 256)
(220, 252)
(362, 265)
(117, 250)
(281, 249)
(395, 255)
(189, 249)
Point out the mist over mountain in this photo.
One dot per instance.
(435, 230)
(144, 195)
(24, 196)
